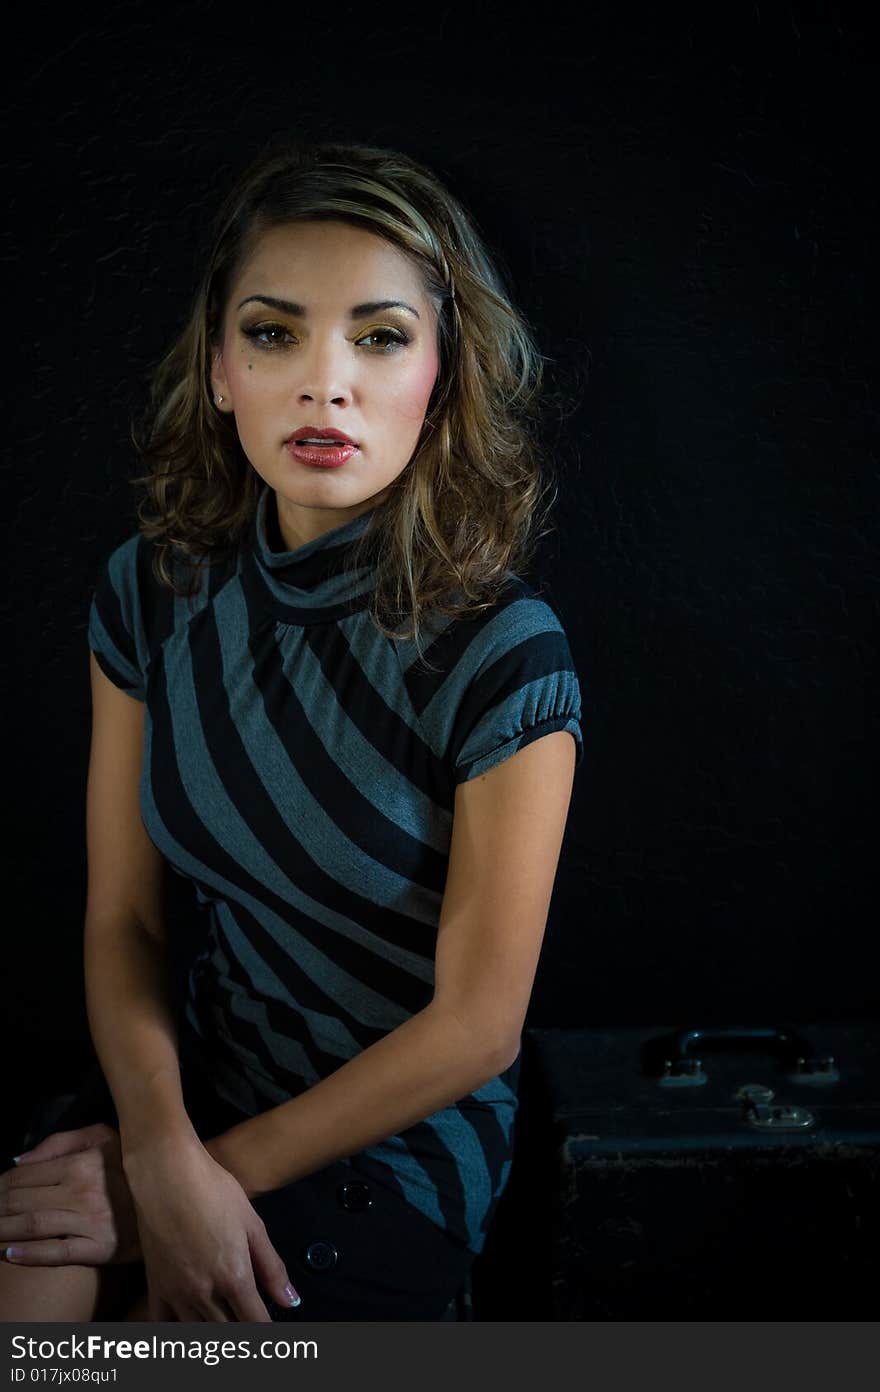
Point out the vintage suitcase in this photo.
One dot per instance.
(712, 1173)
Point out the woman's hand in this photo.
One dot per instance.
(204, 1246)
(67, 1202)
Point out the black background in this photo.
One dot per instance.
(685, 204)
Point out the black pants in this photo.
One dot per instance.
(353, 1249)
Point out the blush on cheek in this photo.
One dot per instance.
(412, 399)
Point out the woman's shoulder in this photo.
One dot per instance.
(123, 578)
(121, 562)
(494, 679)
(519, 614)
(519, 625)
(520, 607)
(134, 610)
(137, 570)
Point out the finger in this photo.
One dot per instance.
(269, 1270)
(247, 1306)
(53, 1170)
(24, 1198)
(64, 1143)
(56, 1251)
(30, 1224)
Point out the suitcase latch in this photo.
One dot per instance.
(777, 1116)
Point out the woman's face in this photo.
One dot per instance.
(302, 347)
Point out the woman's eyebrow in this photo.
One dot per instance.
(356, 312)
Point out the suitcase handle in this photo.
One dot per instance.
(678, 1066)
(783, 1042)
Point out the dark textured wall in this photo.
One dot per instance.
(688, 217)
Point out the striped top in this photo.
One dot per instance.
(300, 768)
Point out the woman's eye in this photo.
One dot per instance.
(268, 335)
(278, 336)
(393, 339)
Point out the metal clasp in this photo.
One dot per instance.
(778, 1117)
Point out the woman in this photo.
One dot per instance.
(323, 694)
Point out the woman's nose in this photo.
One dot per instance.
(325, 370)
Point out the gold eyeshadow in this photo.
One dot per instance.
(395, 338)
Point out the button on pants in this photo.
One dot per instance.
(381, 1260)
(354, 1249)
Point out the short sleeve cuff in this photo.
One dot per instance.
(472, 768)
(112, 661)
(115, 631)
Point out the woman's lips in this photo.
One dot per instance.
(320, 456)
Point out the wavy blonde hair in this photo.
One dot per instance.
(474, 498)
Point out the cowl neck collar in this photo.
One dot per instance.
(313, 583)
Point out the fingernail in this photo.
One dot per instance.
(292, 1297)
(13, 1253)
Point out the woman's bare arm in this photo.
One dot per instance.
(72, 1198)
(127, 988)
(204, 1246)
(506, 838)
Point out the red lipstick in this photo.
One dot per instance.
(303, 446)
